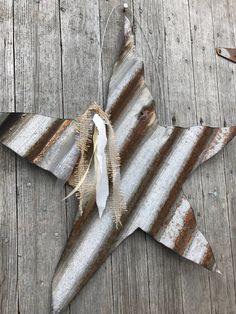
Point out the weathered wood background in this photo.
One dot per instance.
(49, 64)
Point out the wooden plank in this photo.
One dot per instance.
(149, 33)
(7, 57)
(41, 214)
(8, 235)
(80, 45)
(228, 107)
(113, 37)
(176, 38)
(8, 208)
(205, 89)
(180, 86)
(208, 113)
(223, 289)
(129, 260)
(163, 265)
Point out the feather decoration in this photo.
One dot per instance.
(102, 185)
(95, 129)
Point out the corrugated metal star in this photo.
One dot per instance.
(156, 161)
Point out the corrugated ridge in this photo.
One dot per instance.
(174, 192)
(35, 137)
(48, 141)
(9, 124)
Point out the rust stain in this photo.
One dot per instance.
(145, 119)
(187, 168)
(129, 90)
(49, 141)
(35, 153)
(185, 234)
(208, 260)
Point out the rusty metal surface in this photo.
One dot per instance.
(156, 161)
(227, 53)
(47, 142)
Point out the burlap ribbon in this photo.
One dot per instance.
(97, 145)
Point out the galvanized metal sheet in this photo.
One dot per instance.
(47, 142)
(156, 161)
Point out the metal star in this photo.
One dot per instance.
(156, 161)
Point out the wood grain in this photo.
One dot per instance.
(41, 214)
(159, 260)
(8, 205)
(221, 221)
(49, 54)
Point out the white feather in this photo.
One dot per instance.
(102, 183)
